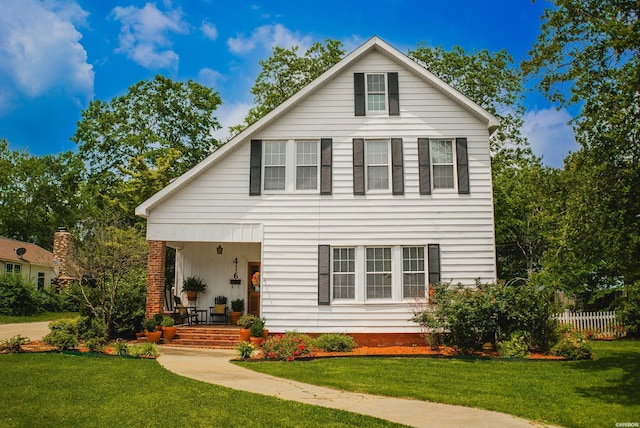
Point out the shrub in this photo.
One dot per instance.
(574, 346)
(63, 335)
(18, 297)
(150, 324)
(13, 345)
(246, 321)
(158, 318)
(129, 309)
(335, 342)
(257, 327)
(628, 310)
(167, 321)
(143, 350)
(245, 349)
(288, 346)
(120, 347)
(515, 347)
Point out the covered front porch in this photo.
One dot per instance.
(225, 263)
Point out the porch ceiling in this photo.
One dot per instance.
(205, 232)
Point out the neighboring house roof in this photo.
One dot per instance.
(373, 44)
(35, 255)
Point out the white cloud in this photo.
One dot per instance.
(209, 30)
(40, 50)
(549, 134)
(230, 115)
(144, 35)
(209, 77)
(268, 36)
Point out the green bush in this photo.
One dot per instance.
(245, 349)
(288, 346)
(257, 327)
(150, 324)
(18, 297)
(143, 350)
(120, 347)
(246, 321)
(335, 342)
(573, 346)
(13, 345)
(628, 309)
(129, 310)
(63, 335)
(167, 321)
(515, 347)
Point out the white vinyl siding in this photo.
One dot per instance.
(275, 165)
(377, 165)
(344, 273)
(413, 272)
(376, 93)
(307, 155)
(442, 164)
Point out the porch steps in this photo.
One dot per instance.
(214, 337)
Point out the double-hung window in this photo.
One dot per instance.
(344, 273)
(413, 272)
(376, 93)
(307, 165)
(378, 273)
(275, 165)
(12, 268)
(442, 164)
(377, 161)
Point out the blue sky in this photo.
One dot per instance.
(57, 55)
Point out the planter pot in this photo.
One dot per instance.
(139, 334)
(192, 296)
(234, 317)
(265, 334)
(244, 334)
(153, 336)
(256, 341)
(169, 332)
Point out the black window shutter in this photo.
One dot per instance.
(434, 263)
(397, 166)
(424, 166)
(358, 166)
(255, 168)
(463, 166)
(394, 94)
(358, 90)
(324, 274)
(325, 165)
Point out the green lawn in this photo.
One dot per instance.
(45, 316)
(595, 393)
(58, 390)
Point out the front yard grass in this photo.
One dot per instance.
(593, 393)
(60, 390)
(44, 316)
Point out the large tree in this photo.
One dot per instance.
(159, 125)
(588, 56)
(285, 72)
(38, 194)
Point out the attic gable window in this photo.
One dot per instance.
(376, 93)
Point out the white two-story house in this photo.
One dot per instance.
(349, 198)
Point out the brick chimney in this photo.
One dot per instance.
(63, 256)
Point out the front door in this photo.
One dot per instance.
(253, 291)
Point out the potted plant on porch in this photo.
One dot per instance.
(255, 331)
(237, 307)
(245, 322)
(153, 336)
(193, 285)
(168, 328)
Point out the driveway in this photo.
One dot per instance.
(32, 330)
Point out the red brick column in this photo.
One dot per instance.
(155, 277)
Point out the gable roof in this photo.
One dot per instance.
(373, 44)
(35, 255)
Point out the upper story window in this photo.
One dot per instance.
(377, 159)
(307, 165)
(10, 268)
(442, 164)
(275, 165)
(376, 93)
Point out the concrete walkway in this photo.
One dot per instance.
(213, 366)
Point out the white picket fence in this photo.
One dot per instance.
(603, 324)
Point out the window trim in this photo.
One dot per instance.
(13, 268)
(266, 144)
(416, 272)
(453, 164)
(334, 273)
(384, 93)
(290, 167)
(296, 165)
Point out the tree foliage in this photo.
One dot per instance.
(588, 55)
(135, 144)
(285, 72)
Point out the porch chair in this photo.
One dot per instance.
(182, 313)
(219, 310)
